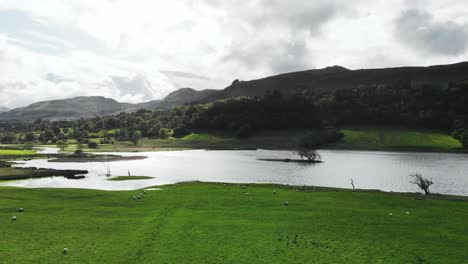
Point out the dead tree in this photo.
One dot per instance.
(422, 182)
(352, 184)
(311, 155)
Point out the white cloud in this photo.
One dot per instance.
(135, 50)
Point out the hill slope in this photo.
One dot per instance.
(89, 106)
(318, 82)
(324, 81)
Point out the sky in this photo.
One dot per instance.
(140, 50)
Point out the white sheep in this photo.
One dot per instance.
(274, 191)
(21, 210)
(65, 250)
(13, 218)
(134, 197)
(286, 203)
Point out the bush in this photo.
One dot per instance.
(79, 152)
(244, 131)
(93, 145)
(165, 133)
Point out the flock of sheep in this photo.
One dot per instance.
(135, 197)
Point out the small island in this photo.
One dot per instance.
(130, 178)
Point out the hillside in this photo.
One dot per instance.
(90, 106)
(3, 109)
(324, 81)
(66, 109)
(318, 83)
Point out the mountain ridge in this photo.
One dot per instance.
(320, 82)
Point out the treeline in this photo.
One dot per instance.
(403, 103)
(240, 116)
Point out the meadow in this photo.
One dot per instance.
(229, 223)
(388, 138)
(356, 138)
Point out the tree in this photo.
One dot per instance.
(62, 144)
(136, 137)
(9, 138)
(422, 182)
(29, 137)
(165, 133)
(28, 145)
(311, 155)
(307, 147)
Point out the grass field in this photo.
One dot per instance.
(8, 172)
(16, 152)
(130, 178)
(213, 223)
(360, 138)
(396, 138)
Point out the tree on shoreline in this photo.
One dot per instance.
(422, 183)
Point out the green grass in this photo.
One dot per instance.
(359, 138)
(7, 172)
(16, 152)
(381, 138)
(130, 178)
(212, 223)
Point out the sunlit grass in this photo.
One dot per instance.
(214, 223)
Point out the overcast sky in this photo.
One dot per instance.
(138, 50)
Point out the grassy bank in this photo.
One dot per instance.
(359, 138)
(213, 223)
(16, 152)
(390, 138)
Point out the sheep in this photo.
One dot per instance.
(286, 203)
(134, 197)
(247, 193)
(139, 197)
(65, 250)
(390, 214)
(13, 218)
(274, 192)
(407, 213)
(21, 210)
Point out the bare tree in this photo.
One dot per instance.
(311, 155)
(352, 184)
(422, 182)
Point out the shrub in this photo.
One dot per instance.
(93, 145)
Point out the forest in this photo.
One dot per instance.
(404, 104)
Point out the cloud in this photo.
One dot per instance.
(123, 49)
(136, 86)
(420, 31)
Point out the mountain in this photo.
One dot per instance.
(90, 106)
(317, 82)
(3, 109)
(66, 109)
(327, 80)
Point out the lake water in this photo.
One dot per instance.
(387, 171)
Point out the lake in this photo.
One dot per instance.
(387, 171)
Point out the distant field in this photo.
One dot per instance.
(396, 138)
(16, 152)
(360, 138)
(213, 223)
(8, 172)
